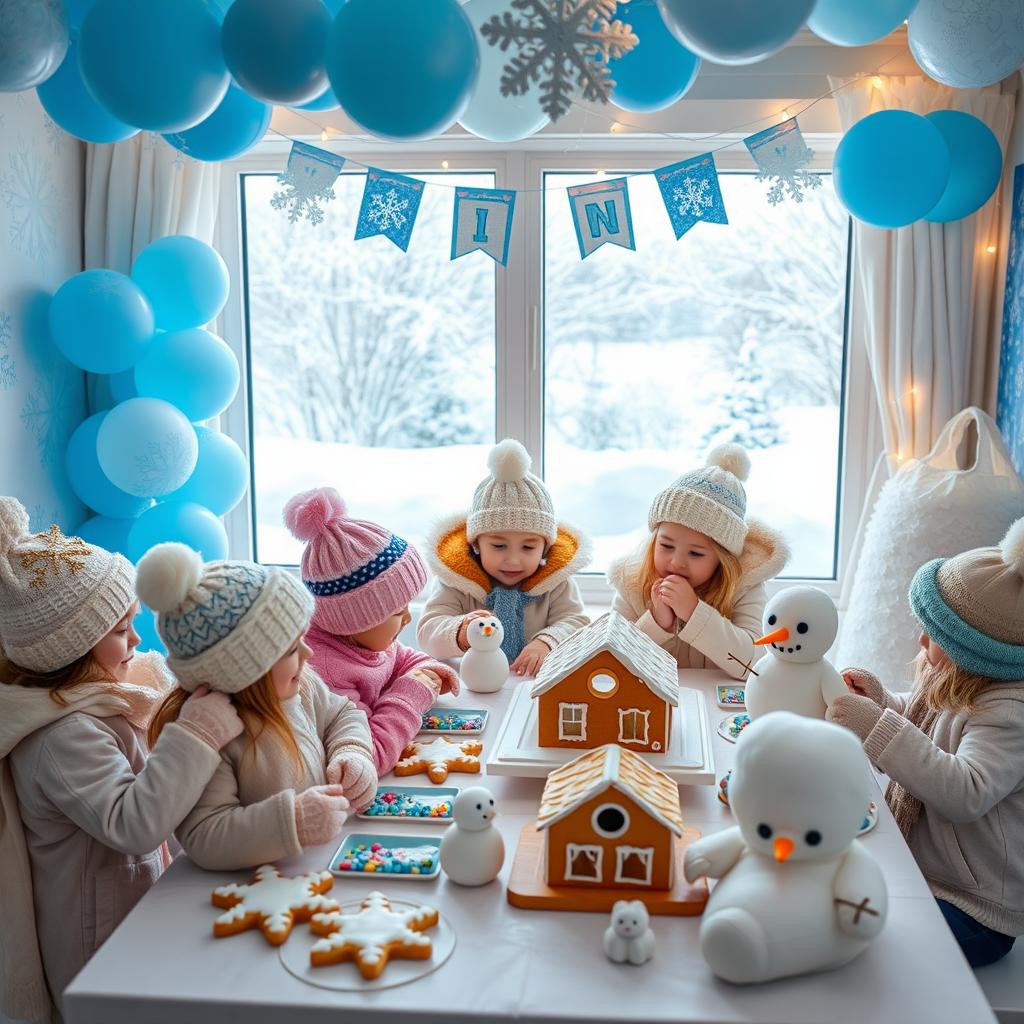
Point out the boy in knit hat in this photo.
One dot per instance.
(81, 795)
(953, 747)
(511, 558)
(696, 587)
(362, 578)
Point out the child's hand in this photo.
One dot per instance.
(430, 679)
(679, 596)
(865, 684)
(210, 717)
(530, 659)
(660, 611)
(320, 812)
(858, 714)
(462, 639)
(357, 776)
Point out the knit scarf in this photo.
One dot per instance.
(905, 807)
(509, 605)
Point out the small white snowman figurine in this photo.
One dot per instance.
(798, 892)
(800, 625)
(629, 939)
(472, 850)
(484, 666)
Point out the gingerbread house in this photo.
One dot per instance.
(608, 683)
(609, 821)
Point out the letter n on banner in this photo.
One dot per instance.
(483, 220)
(600, 213)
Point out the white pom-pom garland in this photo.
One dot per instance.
(732, 458)
(509, 461)
(166, 574)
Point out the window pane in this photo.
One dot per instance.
(371, 370)
(733, 333)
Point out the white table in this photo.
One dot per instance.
(162, 965)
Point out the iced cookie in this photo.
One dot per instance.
(439, 757)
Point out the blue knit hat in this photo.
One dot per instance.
(972, 606)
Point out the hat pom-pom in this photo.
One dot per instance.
(308, 514)
(166, 574)
(13, 523)
(733, 458)
(509, 461)
(1012, 547)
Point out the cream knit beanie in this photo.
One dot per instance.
(511, 498)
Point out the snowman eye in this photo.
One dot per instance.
(764, 831)
(813, 837)
(801, 627)
(479, 807)
(772, 619)
(492, 803)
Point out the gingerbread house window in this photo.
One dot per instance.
(634, 864)
(583, 863)
(603, 683)
(572, 722)
(610, 820)
(633, 725)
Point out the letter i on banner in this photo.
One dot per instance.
(600, 213)
(483, 220)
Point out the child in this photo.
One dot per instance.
(362, 579)
(85, 807)
(509, 558)
(305, 753)
(697, 585)
(953, 747)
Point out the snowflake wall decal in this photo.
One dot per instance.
(48, 411)
(31, 200)
(8, 376)
(569, 42)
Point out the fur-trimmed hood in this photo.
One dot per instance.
(451, 559)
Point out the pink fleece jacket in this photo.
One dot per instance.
(378, 682)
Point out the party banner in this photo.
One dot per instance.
(390, 204)
(483, 220)
(309, 181)
(600, 213)
(691, 193)
(781, 154)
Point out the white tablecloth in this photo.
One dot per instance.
(162, 965)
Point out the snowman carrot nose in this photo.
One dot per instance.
(783, 848)
(488, 630)
(780, 634)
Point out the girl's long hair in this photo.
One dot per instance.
(719, 591)
(85, 669)
(949, 687)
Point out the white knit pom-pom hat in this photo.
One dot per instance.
(511, 498)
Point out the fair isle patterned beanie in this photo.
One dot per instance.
(511, 498)
(972, 606)
(359, 573)
(711, 500)
(224, 623)
(59, 596)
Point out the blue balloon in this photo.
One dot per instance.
(659, 70)
(405, 69)
(182, 521)
(735, 31)
(101, 321)
(859, 23)
(231, 130)
(90, 483)
(70, 104)
(122, 385)
(185, 280)
(105, 532)
(147, 447)
(975, 168)
(275, 50)
(891, 168)
(154, 64)
(145, 625)
(193, 369)
(33, 42)
(77, 10)
(221, 476)
(325, 101)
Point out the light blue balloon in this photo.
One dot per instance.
(193, 369)
(90, 483)
(403, 69)
(231, 130)
(891, 168)
(122, 385)
(181, 521)
(70, 104)
(101, 321)
(275, 50)
(152, 63)
(659, 70)
(221, 476)
(147, 447)
(975, 168)
(185, 280)
(145, 625)
(325, 101)
(33, 42)
(735, 31)
(857, 23)
(104, 532)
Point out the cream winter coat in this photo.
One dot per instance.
(708, 639)
(461, 586)
(246, 816)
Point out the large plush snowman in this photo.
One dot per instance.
(800, 625)
(798, 892)
(472, 850)
(484, 666)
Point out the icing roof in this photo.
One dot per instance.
(613, 766)
(653, 665)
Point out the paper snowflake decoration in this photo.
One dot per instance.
(387, 210)
(693, 197)
(564, 45)
(56, 554)
(784, 166)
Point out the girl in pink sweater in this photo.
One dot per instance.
(362, 578)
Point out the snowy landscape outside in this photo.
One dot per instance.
(374, 371)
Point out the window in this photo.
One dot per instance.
(572, 721)
(634, 864)
(609, 820)
(633, 725)
(583, 863)
(603, 683)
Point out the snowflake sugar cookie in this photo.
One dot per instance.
(271, 902)
(439, 757)
(372, 935)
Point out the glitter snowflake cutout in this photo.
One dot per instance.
(784, 167)
(693, 197)
(308, 181)
(568, 41)
(56, 554)
(387, 210)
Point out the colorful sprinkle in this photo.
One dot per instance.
(452, 721)
(396, 860)
(403, 805)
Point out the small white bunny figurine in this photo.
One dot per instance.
(629, 939)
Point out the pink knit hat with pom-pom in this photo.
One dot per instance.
(359, 573)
